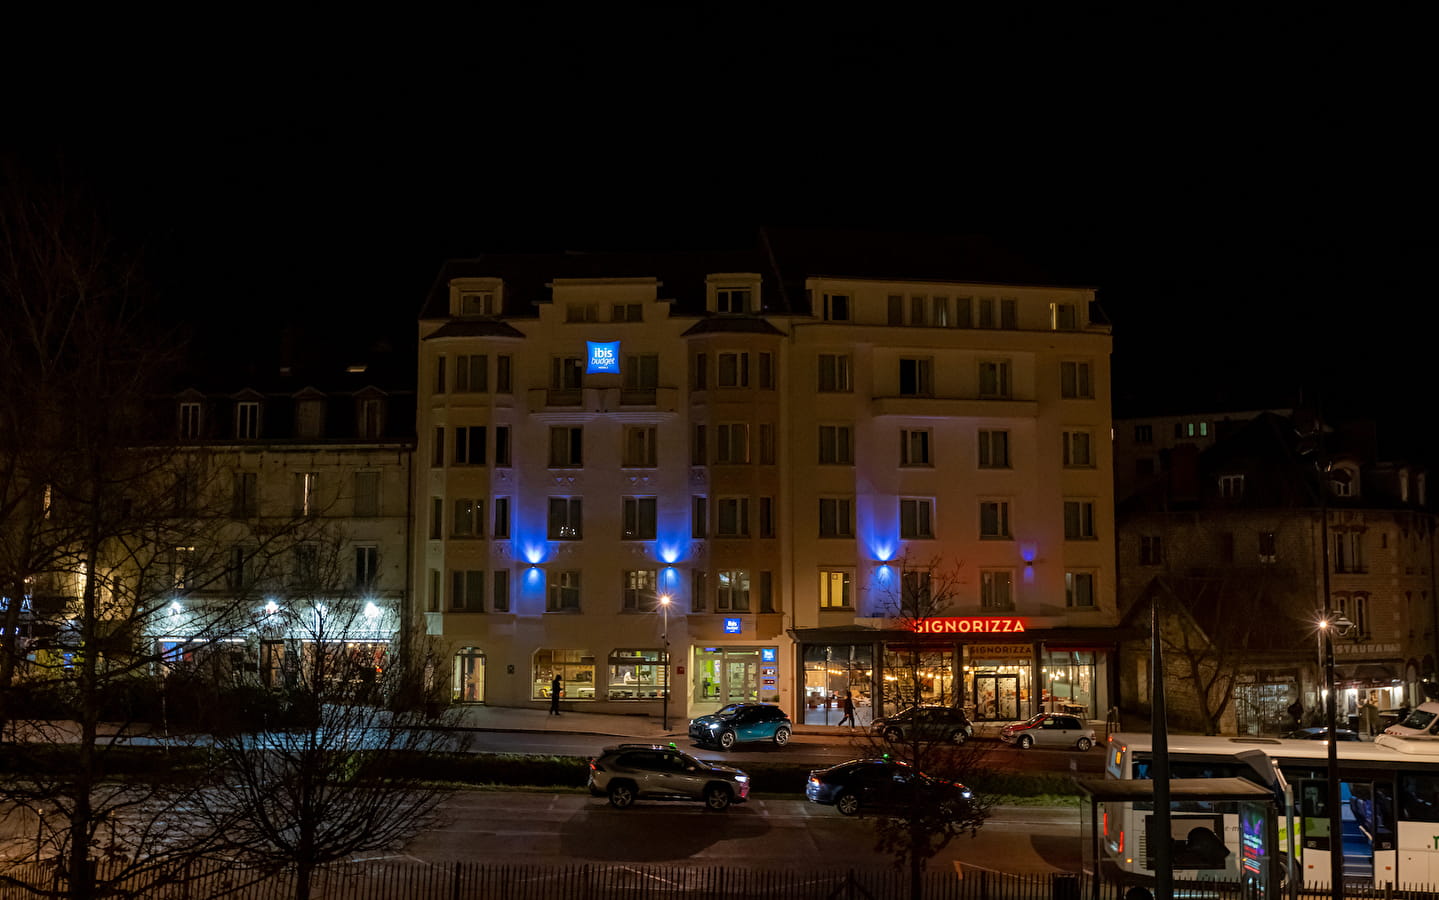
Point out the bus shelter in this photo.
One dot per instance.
(1259, 827)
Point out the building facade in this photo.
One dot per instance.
(738, 461)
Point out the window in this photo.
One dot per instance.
(626, 312)
(639, 590)
(733, 519)
(916, 519)
(182, 567)
(735, 300)
(699, 517)
(834, 589)
(986, 313)
(637, 675)
(766, 372)
(1268, 547)
(836, 517)
(640, 446)
(994, 519)
(1008, 313)
(834, 445)
(834, 373)
(1361, 615)
(500, 599)
(184, 494)
(567, 373)
(237, 569)
(439, 374)
(247, 421)
(1341, 483)
(914, 447)
(438, 457)
(917, 589)
(916, 378)
(367, 565)
(836, 308)
(306, 499)
(502, 445)
(469, 445)
(437, 518)
(574, 668)
(766, 591)
(1079, 590)
(766, 517)
(994, 449)
(941, 312)
(582, 312)
(501, 527)
(641, 377)
(963, 312)
(1151, 550)
(699, 590)
(472, 373)
(190, 422)
(369, 413)
(699, 372)
(1077, 450)
(994, 379)
(478, 303)
(766, 444)
(564, 593)
(309, 418)
(698, 454)
(565, 519)
(566, 446)
(469, 519)
(1079, 520)
(918, 307)
(639, 518)
(367, 494)
(432, 591)
(1349, 551)
(1074, 380)
(1231, 487)
(733, 444)
(996, 589)
(1143, 434)
(733, 370)
(307, 564)
(504, 365)
(732, 591)
(1063, 316)
(245, 497)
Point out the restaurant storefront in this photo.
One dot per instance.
(995, 668)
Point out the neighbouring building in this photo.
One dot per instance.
(1231, 540)
(735, 458)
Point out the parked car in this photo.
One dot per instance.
(884, 786)
(928, 723)
(1049, 730)
(741, 723)
(1421, 722)
(627, 772)
(1320, 734)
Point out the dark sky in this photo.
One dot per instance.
(1254, 197)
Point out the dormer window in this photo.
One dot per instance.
(247, 420)
(1341, 482)
(1231, 487)
(310, 418)
(479, 303)
(1063, 316)
(190, 422)
(371, 417)
(733, 300)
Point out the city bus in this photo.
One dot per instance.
(1389, 791)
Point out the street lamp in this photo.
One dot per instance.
(1329, 625)
(665, 609)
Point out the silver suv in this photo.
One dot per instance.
(627, 772)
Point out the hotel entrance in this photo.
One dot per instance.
(725, 675)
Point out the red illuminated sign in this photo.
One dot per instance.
(969, 625)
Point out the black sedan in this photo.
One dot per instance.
(886, 786)
(926, 723)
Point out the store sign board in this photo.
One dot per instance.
(987, 650)
(731, 626)
(969, 625)
(604, 358)
(768, 654)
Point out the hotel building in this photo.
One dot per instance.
(738, 459)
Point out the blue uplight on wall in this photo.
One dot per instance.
(668, 552)
(535, 553)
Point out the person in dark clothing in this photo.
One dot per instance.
(556, 688)
(848, 706)
(1296, 712)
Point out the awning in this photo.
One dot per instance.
(1366, 673)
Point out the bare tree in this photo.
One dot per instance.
(341, 770)
(923, 589)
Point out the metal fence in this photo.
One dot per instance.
(411, 880)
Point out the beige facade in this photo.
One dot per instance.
(765, 462)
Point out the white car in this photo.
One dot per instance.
(1049, 730)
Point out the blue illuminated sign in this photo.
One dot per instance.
(768, 654)
(731, 626)
(604, 358)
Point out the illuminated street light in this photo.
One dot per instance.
(665, 609)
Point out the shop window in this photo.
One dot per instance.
(576, 669)
(831, 671)
(636, 675)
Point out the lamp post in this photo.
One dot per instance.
(665, 609)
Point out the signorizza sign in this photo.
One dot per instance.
(969, 625)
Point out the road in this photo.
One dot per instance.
(556, 829)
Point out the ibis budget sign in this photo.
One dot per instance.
(604, 358)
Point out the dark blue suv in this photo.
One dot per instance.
(741, 723)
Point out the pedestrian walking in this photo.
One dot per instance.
(848, 706)
(1369, 717)
(1296, 712)
(557, 687)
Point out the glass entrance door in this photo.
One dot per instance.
(468, 681)
(996, 697)
(741, 682)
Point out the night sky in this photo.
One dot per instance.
(1254, 198)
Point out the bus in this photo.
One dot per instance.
(1389, 791)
